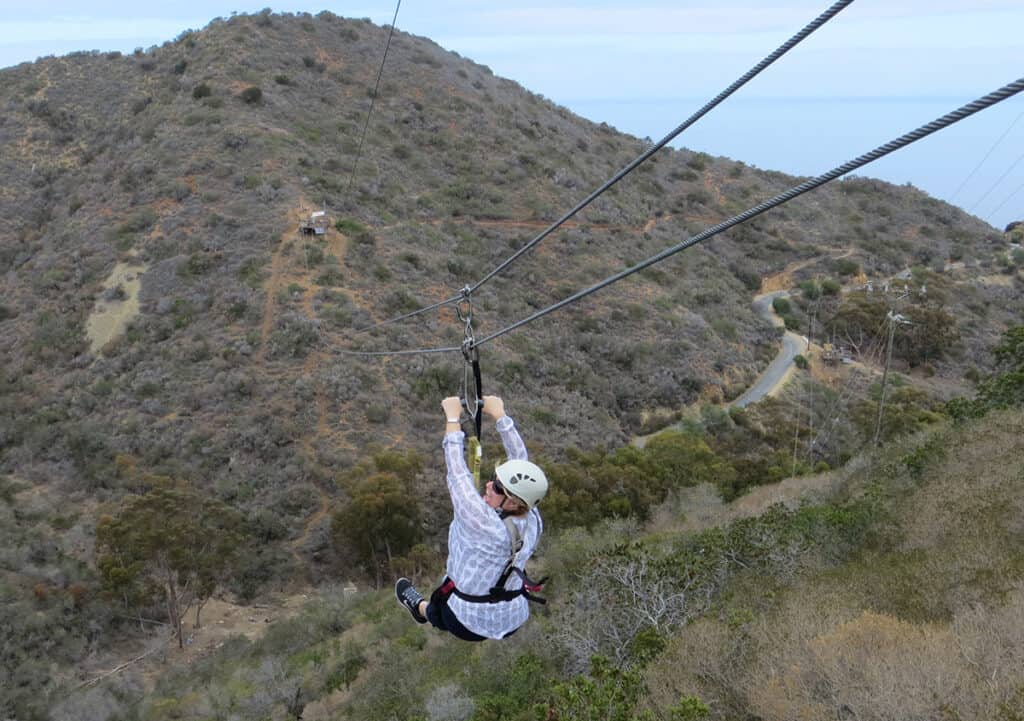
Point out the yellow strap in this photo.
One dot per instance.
(476, 457)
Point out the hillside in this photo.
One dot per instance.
(157, 160)
(890, 589)
(165, 325)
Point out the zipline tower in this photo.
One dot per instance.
(315, 223)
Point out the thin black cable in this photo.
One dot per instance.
(412, 351)
(779, 52)
(373, 98)
(439, 304)
(881, 151)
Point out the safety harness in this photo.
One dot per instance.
(498, 592)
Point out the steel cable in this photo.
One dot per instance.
(997, 96)
(412, 351)
(736, 85)
(420, 311)
(779, 52)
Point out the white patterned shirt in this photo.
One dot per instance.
(479, 544)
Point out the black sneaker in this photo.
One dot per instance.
(409, 597)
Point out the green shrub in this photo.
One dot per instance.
(251, 272)
(378, 413)
(252, 95)
(846, 267)
(810, 290)
(197, 264)
(782, 306)
(698, 162)
(330, 277)
(201, 91)
(436, 382)
(699, 197)
(314, 255)
(830, 286)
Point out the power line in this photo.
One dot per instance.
(881, 151)
(373, 98)
(995, 184)
(978, 166)
(1006, 200)
(847, 389)
(779, 52)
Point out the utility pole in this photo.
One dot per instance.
(893, 319)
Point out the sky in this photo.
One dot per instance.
(879, 69)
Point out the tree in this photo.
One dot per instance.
(859, 319)
(1006, 387)
(680, 459)
(173, 541)
(928, 336)
(379, 523)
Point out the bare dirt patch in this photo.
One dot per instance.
(114, 311)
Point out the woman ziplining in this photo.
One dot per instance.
(486, 592)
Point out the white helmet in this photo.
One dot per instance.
(524, 480)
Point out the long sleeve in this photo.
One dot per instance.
(470, 508)
(515, 449)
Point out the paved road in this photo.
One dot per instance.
(777, 371)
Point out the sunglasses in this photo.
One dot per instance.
(498, 488)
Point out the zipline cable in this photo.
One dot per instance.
(779, 52)
(373, 98)
(736, 85)
(413, 351)
(439, 304)
(938, 124)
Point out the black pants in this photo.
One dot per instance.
(442, 617)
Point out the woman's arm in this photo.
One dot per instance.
(510, 438)
(469, 507)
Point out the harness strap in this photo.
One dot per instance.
(499, 595)
(515, 545)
